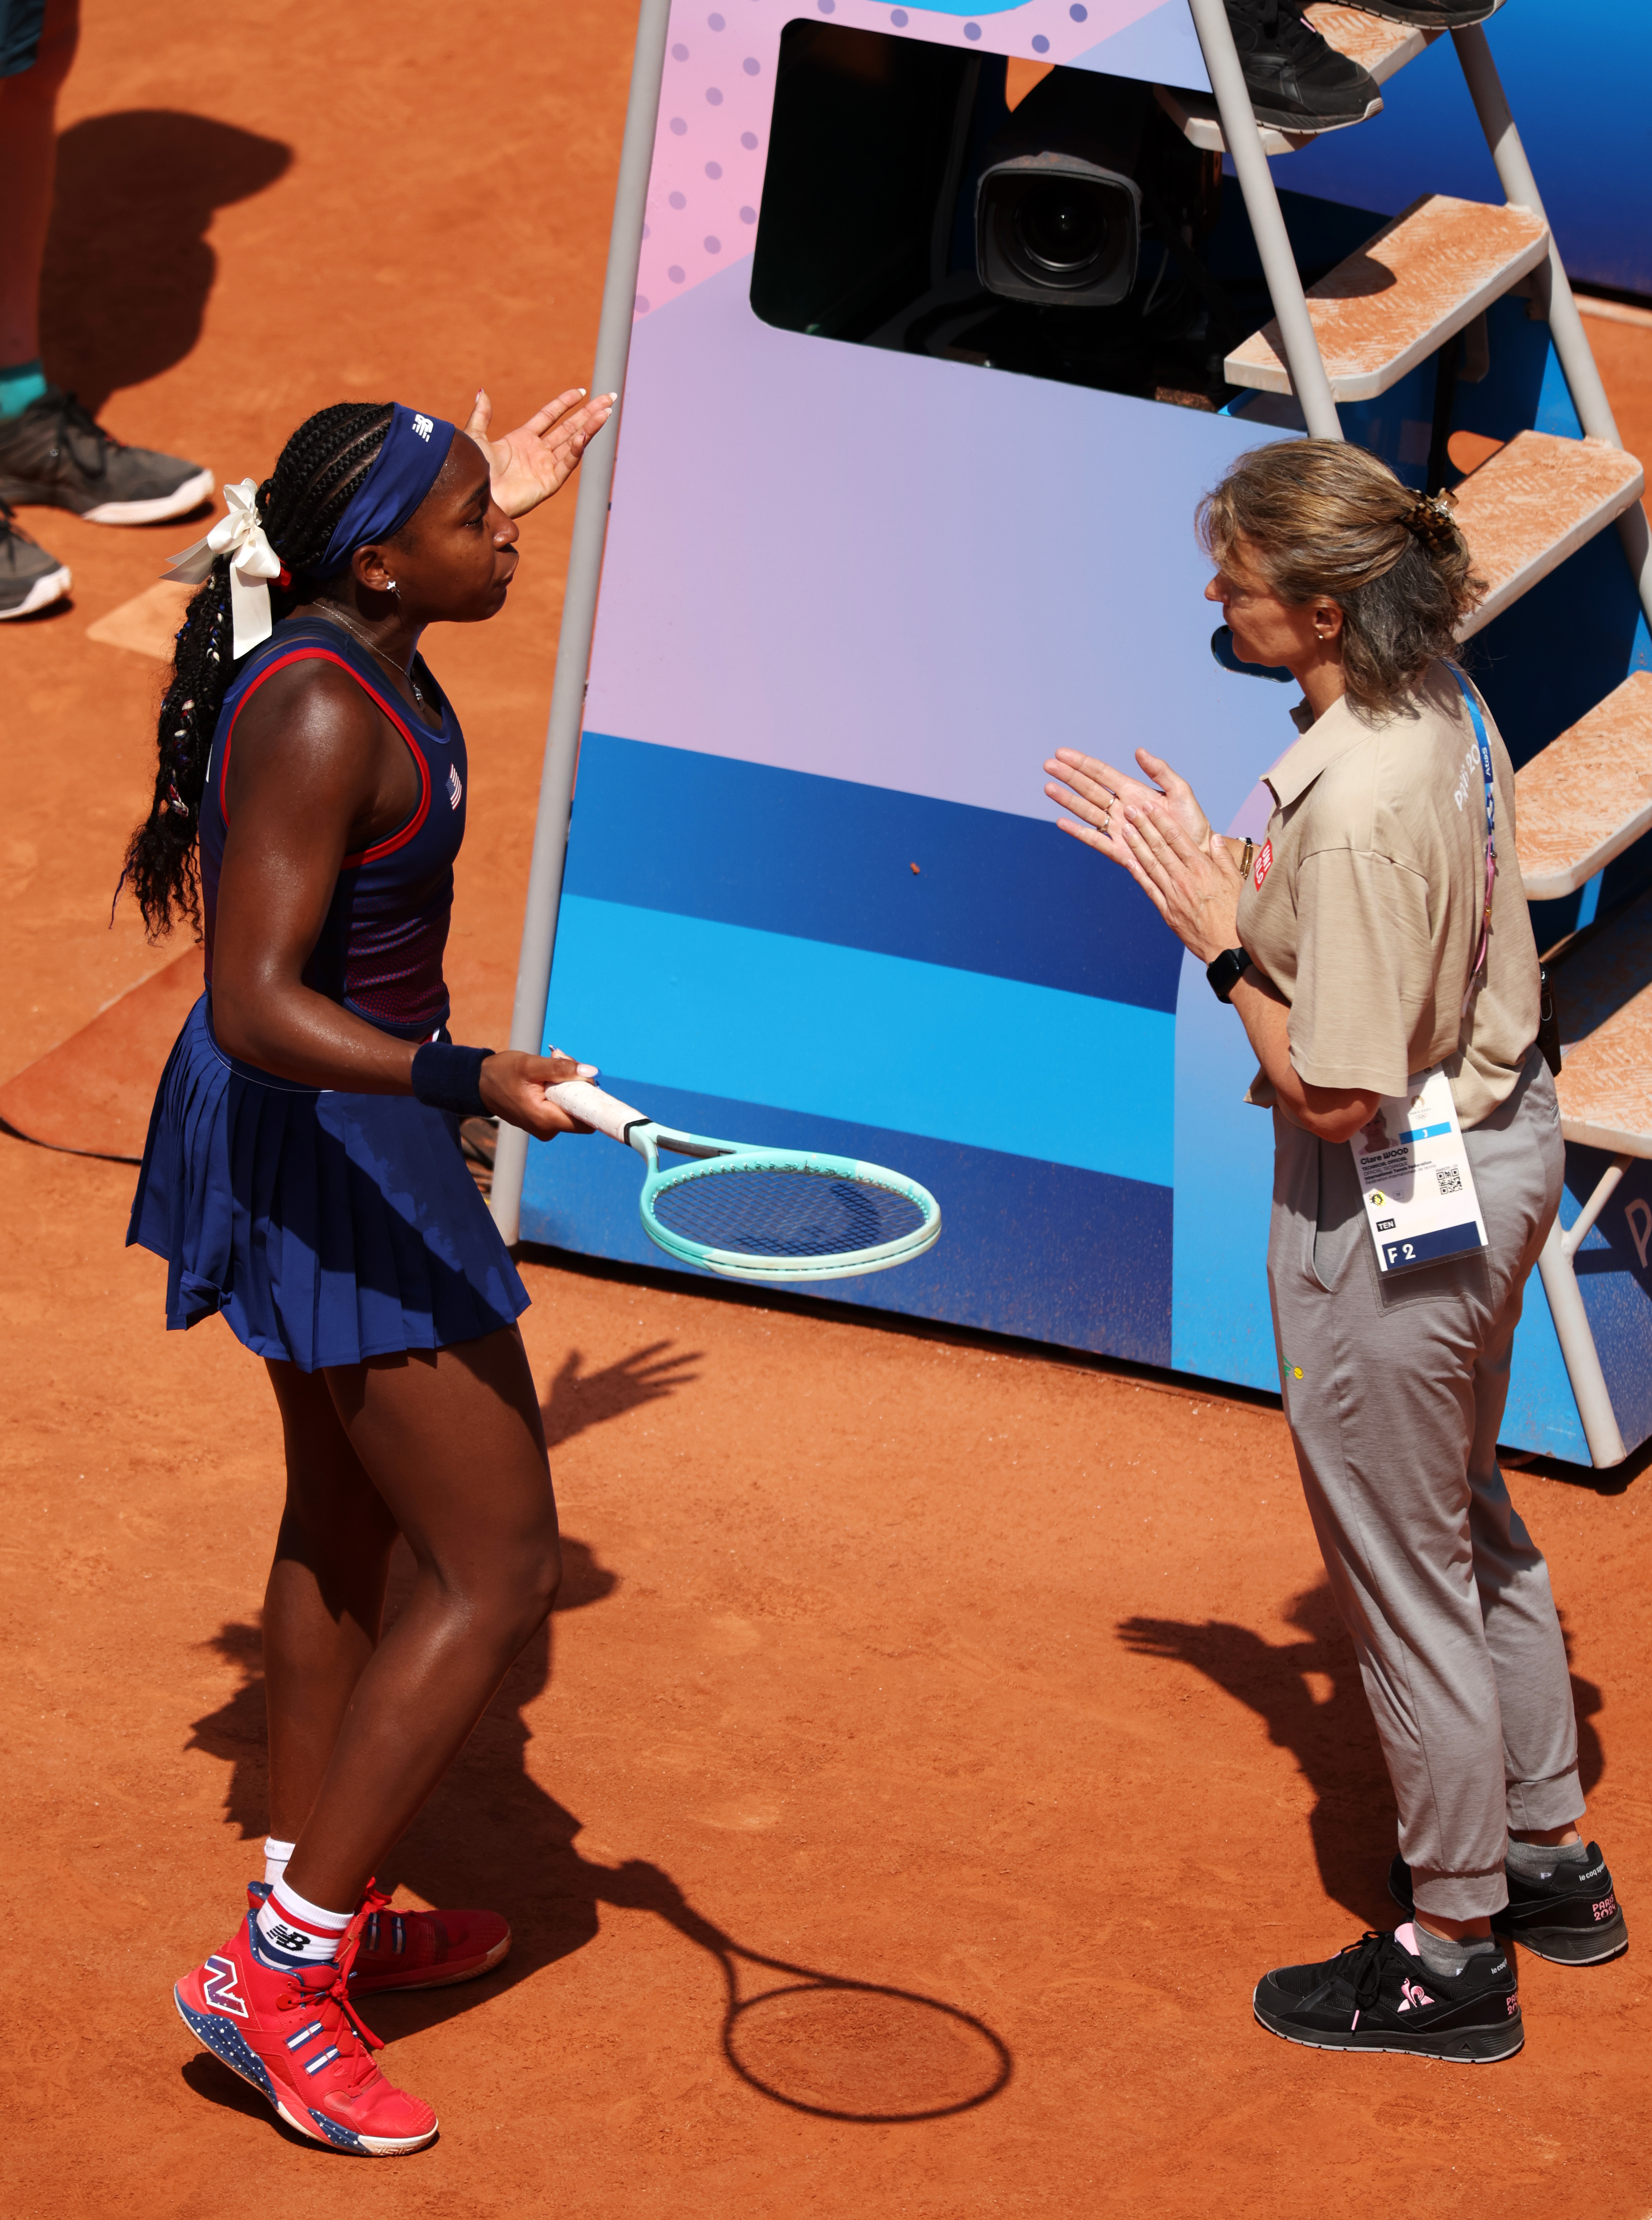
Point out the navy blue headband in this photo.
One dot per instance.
(404, 469)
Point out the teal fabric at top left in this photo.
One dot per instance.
(20, 35)
(875, 1040)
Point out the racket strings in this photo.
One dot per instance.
(768, 1212)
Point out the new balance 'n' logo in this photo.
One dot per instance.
(219, 1987)
(424, 426)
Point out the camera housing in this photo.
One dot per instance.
(1076, 236)
(1053, 227)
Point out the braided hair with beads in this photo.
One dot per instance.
(319, 470)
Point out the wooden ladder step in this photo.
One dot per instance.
(1535, 502)
(1606, 1017)
(1606, 1083)
(1430, 271)
(1588, 796)
(1379, 46)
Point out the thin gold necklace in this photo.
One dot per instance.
(389, 661)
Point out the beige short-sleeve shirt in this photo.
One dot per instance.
(1364, 904)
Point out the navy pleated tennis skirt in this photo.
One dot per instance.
(324, 1227)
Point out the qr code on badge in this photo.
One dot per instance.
(1449, 1178)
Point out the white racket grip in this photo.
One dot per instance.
(606, 1112)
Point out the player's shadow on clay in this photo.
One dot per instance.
(1332, 1737)
(129, 267)
(491, 1836)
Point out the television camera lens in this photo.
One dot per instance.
(1064, 226)
(1056, 228)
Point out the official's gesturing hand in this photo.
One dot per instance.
(1097, 795)
(1193, 885)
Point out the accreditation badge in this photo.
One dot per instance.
(1414, 1177)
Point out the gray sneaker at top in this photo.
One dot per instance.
(30, 579)
(56, 455)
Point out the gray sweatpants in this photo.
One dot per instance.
(1394, 1390)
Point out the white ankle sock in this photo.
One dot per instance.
(291, 1931)
(276, 1855)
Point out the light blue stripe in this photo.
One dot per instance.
(874, 1039)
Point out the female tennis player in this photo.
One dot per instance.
(303, 1178)
(1359, 949)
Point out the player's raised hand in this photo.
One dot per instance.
(539, 457)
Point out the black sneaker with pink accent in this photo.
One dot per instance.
(1572, 1916)
(1378, 1995)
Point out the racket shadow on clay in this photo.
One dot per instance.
(842, 2049)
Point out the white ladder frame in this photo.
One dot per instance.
(1313, 388)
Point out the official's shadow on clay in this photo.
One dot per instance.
(1353, 1823)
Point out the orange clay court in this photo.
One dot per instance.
(931, 1672)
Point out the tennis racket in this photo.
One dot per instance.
(757, 1213)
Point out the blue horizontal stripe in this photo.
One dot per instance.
(1426, 1132)
(878, 1040)
(1073, 1257)
(829, 860)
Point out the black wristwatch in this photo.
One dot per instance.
(1226, 973)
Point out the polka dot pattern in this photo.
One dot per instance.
(706, 188)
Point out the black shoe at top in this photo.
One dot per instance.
(1574, 1917)
(1430, 15)
(1378, 1995)
(1296, 81)
(54, 454)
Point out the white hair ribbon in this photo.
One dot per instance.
(253, 564)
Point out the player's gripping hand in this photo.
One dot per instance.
(513, 1085)
(538, 458)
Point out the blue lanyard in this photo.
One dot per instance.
(1485, 746)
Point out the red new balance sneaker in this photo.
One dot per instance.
(296, 2036)
(416, 1950)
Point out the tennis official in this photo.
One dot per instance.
(1369, 940)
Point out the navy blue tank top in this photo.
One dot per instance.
(380, 950)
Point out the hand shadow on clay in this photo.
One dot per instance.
(1353, 1825)
(129, 268)
(491, 1836)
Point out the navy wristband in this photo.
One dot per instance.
(449, 1078)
